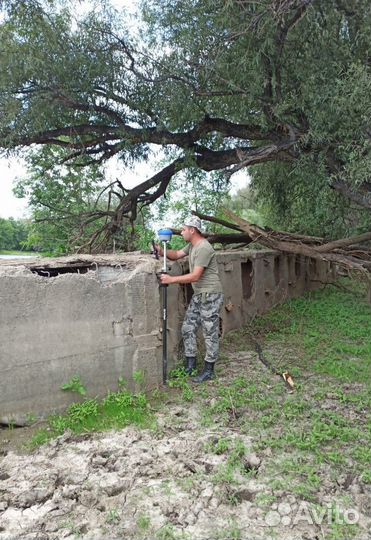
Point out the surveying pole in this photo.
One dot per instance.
(164, 236)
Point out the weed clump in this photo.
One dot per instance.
(117, 410)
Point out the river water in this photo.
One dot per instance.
(17, 256)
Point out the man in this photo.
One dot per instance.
(206, 301)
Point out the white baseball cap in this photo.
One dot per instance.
(194, 221)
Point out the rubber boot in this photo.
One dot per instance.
(207, 374)
(191, 364)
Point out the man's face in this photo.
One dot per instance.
(186, 233)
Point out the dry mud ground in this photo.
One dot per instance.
(198, 475)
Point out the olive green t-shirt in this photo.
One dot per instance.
(203, 254)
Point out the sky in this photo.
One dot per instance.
(10, 206)
(12, 168)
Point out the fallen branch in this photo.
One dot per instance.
(279, 234)
(221, 238)
(325, 251)
(344, 242)
(213, 219)
(285, 375)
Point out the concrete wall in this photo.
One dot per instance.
(100, 325)
(253, 282)
(103, 320)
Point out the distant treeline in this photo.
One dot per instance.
(14, 234)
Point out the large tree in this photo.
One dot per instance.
(219, 85)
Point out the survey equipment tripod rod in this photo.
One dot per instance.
(164, 322)
(164, 333)
(165, 265)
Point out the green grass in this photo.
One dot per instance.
(229, 473)
(15, 252)
(330, 328)
(117, 410)
(231, 532)
(143, 522)
(323, 340)
(178, 378)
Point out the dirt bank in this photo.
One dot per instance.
(197, 475)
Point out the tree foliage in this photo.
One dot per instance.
(278, 86)
(245, 204)
(69, 205)
(13, 234)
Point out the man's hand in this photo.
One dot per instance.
(166, 279)
(193, 277)
(160, 251)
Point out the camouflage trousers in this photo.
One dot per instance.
(203, 310)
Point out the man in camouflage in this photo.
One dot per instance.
(207, 298)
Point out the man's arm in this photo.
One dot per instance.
(172, 254)
(192, 277)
